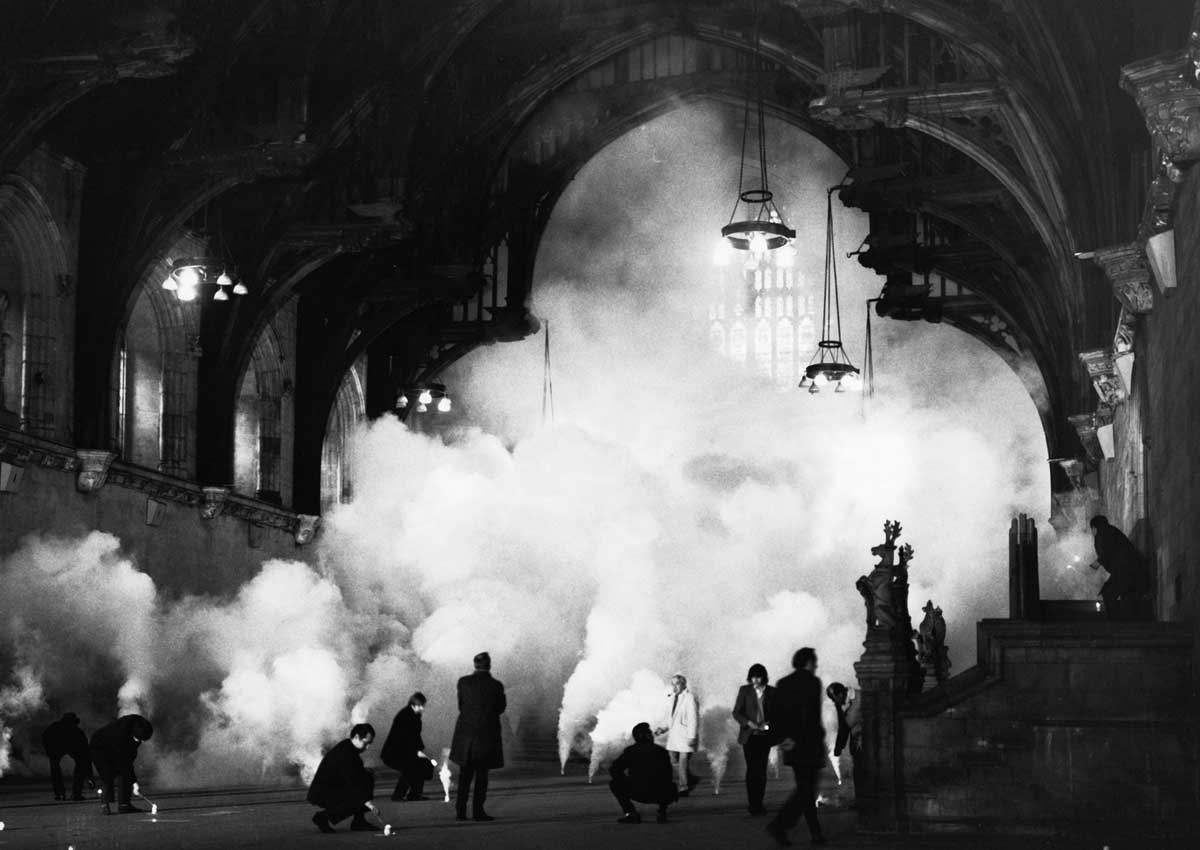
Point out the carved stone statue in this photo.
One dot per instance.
(932, 652)
(876, 587)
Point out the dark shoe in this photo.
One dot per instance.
(483, 817)
(360, 824)
(398, 798)
(630, 817)
(757, 810)
(779, 834)
(661, 817)
(60, 796)
(322, 821)
(105, 808)
(820, 839)
(684, 792)
(460, 815)
(128, 809)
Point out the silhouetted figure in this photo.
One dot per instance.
(795, 720)
(750, 711)
(63, 737)
(849, 732)
(114, 748)
(1128, 578)
(476, 747)
(342, 787)
(643, 773)
(683, 732)
(403, 750)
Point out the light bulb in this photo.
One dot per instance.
(421, 408)
(220, 295)
(426, 397)
(169, 284)
(224, 280)
(186, 291)
(758, 243)
(820, 379)
(402, 402)
(239, 288)
(188, 277)
(443, 404)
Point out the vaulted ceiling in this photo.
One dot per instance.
(372, 155)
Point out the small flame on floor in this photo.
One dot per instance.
(444, 775)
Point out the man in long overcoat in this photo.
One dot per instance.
(404, 750)
(476, 747)
(342, 786)
(114, 748)
(63, 737)
(795, 719)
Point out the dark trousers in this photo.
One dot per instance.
(414, 772)
(756, 749)
(467, 773)
(82, 770)
(116, 777)
(342, 808)
(802, 801)
(622, 789)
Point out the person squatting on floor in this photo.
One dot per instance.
(795, 719)
(750, 711)
(849, 732)
(476, 746)
(61, 738)
(404, 750)
(682, 728)
(1128, 579)
(643, 772)
(114, 748)
(342, 787)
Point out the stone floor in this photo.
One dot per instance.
(534, 806)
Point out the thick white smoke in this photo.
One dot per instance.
(680, 514)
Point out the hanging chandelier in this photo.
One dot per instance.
(185, 276)
(426, 395)
(830, 364)
(761, 227)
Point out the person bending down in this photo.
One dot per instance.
(644, 773)
(114, 748)
(342, 787)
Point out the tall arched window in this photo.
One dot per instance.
(36, 315)
(349, 411)
(155, 371)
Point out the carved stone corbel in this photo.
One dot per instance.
(306, 528)
(213, 503)
(93, 469)
(1127, 270)
(1102, 370)
(1163, 90)
(1085, 426)
(1123, 356)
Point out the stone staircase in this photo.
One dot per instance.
(1074, 720)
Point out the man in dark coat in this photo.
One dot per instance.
(1128, 578)
(644, 773)
(795, 718)
(405, 751)
(63, 737)
(114, 748)
(476, 747)
(342, 787)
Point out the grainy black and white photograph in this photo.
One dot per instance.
(504, 423)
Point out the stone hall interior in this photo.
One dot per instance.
(343, 339)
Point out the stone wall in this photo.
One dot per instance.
(182, 551)
(1057, 722)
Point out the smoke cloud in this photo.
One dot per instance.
(680, 513)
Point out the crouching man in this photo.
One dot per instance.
(342, 786)
(643, 773)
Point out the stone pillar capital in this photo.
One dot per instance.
(306, 528)
(1102, 369)
(1128, 271)
(213, 503)
(93, 469)
(1163, 89)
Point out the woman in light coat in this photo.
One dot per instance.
(682, 730)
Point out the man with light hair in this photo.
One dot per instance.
(683, 732)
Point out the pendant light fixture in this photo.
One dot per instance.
(830, 364)
(761, 227)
